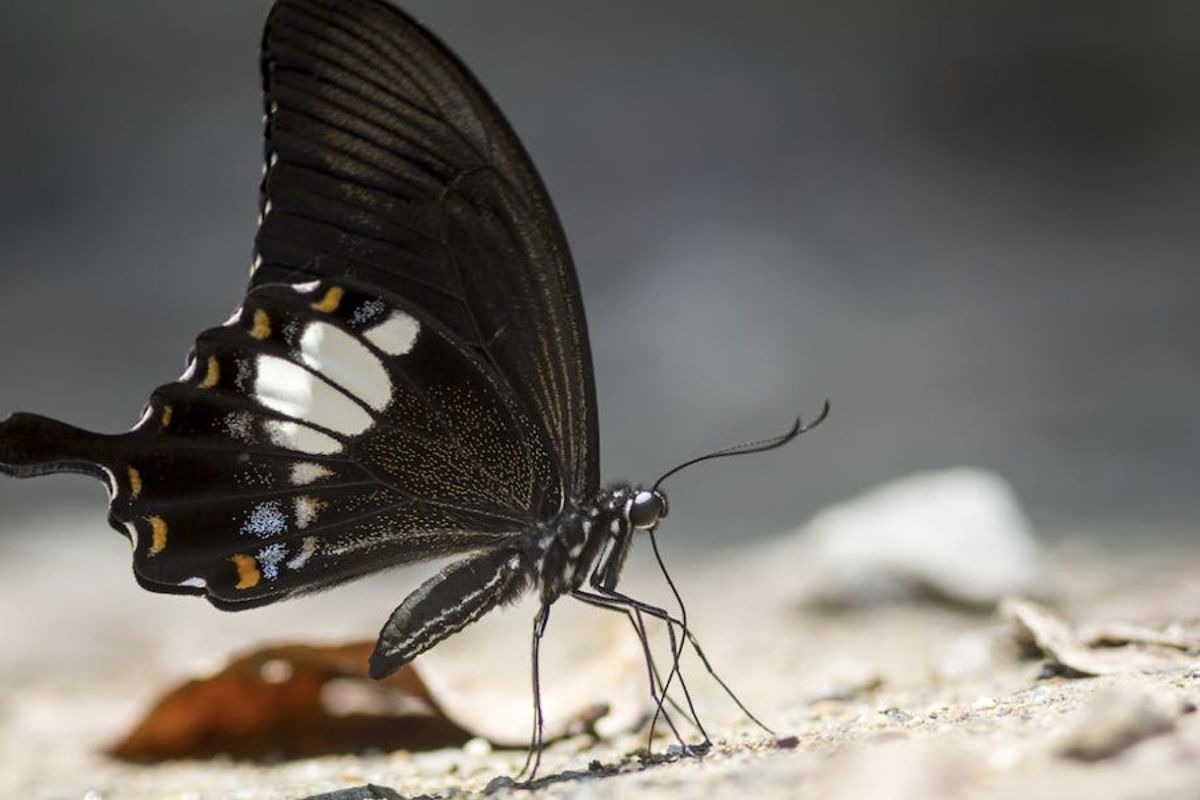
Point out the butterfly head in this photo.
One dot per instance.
(646, 507)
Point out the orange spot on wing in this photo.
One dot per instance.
(331, 300)
(213, 375)
(262, 325)
(135, 483)
(158, 535)
(247, 570)
(167, 412)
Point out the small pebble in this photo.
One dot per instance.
(1039, 696)
(787, 742)
(896, 715)
(477, 747)
(983, 704)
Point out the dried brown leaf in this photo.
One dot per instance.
(292, 701)
(297, 701)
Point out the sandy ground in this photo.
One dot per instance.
(913, 700)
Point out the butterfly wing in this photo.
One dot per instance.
(326, 431)
(409, 376)
(388, 162)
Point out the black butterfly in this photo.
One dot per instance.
(408, 377)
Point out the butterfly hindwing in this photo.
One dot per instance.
(324, 432)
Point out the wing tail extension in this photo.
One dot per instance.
(32, 445)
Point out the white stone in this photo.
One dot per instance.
(959, 533)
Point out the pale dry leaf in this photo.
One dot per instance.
(1059, 639)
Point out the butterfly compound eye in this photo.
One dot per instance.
(646, 509)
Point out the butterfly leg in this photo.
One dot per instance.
(534, 755)
(657, 688)
(661, 614)
(639, 625)
(676, 651)
(662, 565)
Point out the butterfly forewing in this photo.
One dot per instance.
(387, 161)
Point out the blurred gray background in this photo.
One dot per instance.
(972, 226)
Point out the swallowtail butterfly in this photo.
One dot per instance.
(408, 377)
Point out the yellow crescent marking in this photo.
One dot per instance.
(330, 301)
(247, 569)
(158, 535)
(166, 415)
(262, 325)
(213, 375)
(135, 483)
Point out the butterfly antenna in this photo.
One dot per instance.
(759, 446)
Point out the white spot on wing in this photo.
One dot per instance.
(294, 436)
(147, 412)
(196, 583)
(267, 519)
(133, 533)
(110, 483)
(234, 318)
(396, 335)
(344, 360)
(294, 391)
(306, 551)
(240, 425)
(307, 472)
(188, 373)
(306, 509)
(307, 288)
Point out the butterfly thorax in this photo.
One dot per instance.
(587, 538)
